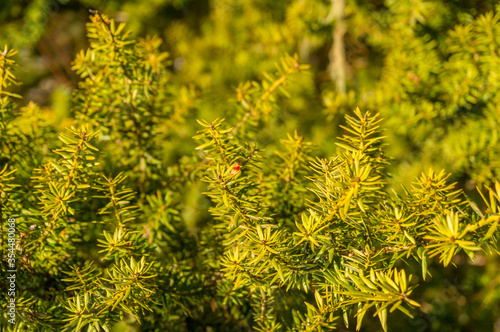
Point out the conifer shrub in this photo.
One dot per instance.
(118, 226)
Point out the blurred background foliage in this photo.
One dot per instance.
(431, 68)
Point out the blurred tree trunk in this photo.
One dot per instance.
(337, 67)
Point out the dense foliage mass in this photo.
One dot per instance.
(133, 215)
